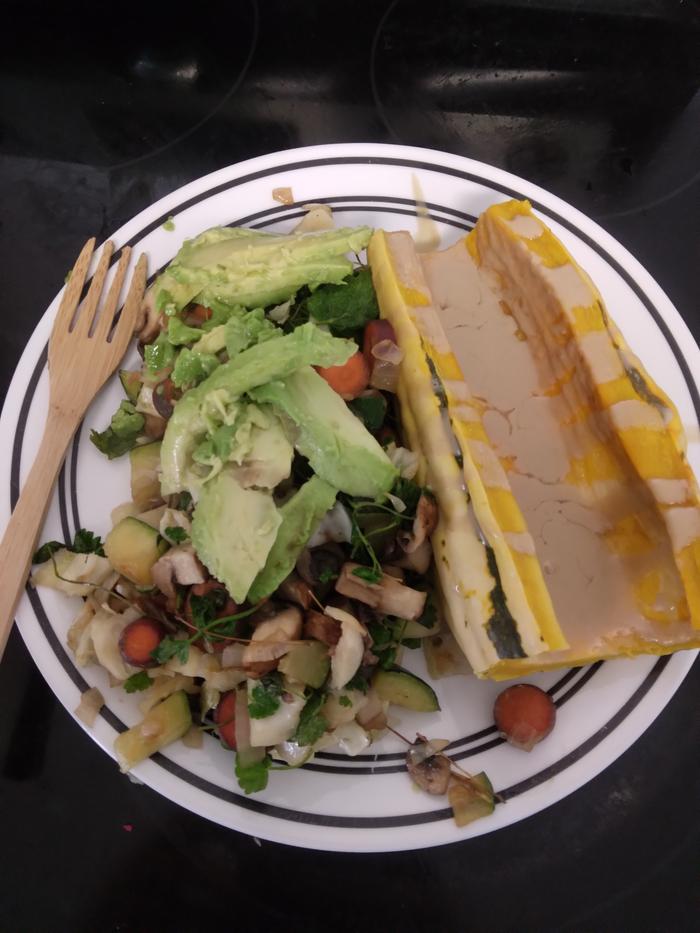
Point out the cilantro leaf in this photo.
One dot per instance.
(312, 722)
(137, 682)
(265, 697)
(345, 701)
(345, 307)
(46, 550)
(370, 574)
(204, 608)
(176, 534)
(124, 430)
(411, 642)
(170, 647)
(371, 410)
(253, 777)
(327, 575)
(85, 542)
(409, 492)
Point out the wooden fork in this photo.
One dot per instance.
(84, 350)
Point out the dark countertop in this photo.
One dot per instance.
(103, 113)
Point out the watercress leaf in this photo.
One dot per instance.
(265, 697)
(46, 550)
(312, 722)
(85, 542)
(137, 682)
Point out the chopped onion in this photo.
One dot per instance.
(387, 351)
(91, 702)
(283, 195)
(398, 504)
(385, 376)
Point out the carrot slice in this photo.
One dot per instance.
(375, 332)
(139, 639)
(350, 379)
(225, 719)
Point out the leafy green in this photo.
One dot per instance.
(253, 777)
(192, 367)
(428, 617)
(312, 722)
(176, 534)
(358, 682)
(180, 333)
(185, 501)
(42, 554)
(327, 575)
(345, 701)
(137, 682)
(265, 697)
(370, 574)
(371, 410)
(85, 542)
(160, 354)
(124, 430)
(411, 642)
(409, 493)
(169, 224)
(169, 647)
(345, 307)
(204, 609)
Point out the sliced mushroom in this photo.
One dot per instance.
(296, 591)
(321, 627)
(271, 640)
(431, 774)
(347, 654)
(178, 565)
(423, 524)
(150, 322)
(417, 560)
(388, 596)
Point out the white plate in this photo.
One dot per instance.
(365, 803)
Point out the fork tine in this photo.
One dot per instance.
(124, 330)
(74, 288)
(106, 318)
(86, 314)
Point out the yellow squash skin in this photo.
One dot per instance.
(440, 418)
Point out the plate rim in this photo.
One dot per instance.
(363, 153)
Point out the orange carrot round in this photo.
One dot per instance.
(139, 639)
(350, 379)
(225, 719)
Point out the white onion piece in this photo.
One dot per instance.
(385, 376)
(232, 655)
(91, 702)
(388, 351)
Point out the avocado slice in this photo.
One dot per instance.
(132, 548)
(274, 359)
(338, 446)
(405, 689)
(145, 479)
(168, 721)
(233, 530)
(300, 516)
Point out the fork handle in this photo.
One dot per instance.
(19, 541)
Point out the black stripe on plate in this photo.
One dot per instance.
(414, 819)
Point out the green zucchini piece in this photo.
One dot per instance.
(131, 383)
(307, 663)
(132, 548)
(168, 721)
(404, 689)
(145, 475)
(471, 799)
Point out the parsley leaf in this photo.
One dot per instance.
(345, 307)
(371, 410)
(85, 542)
(176, 534)
(137, 682)
(124, 430)
(253, 777)
(370, 574)
(46, 550)
(204, 608)
(312, 722)
(170, 647)
(265, 697)
(345, 701)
